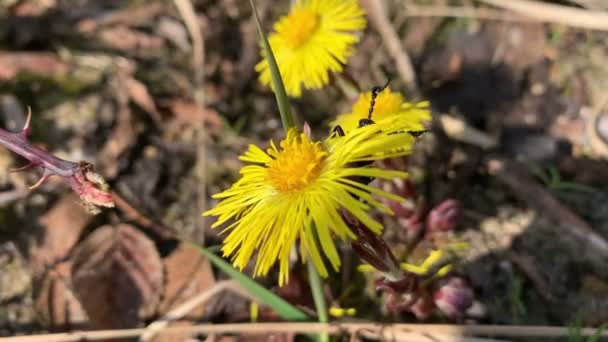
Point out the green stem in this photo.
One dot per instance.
(316, 287)
(277, 80)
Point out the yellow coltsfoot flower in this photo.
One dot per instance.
(315, 38)
(296, 192)
(386, 104)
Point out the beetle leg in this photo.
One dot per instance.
(338, 130)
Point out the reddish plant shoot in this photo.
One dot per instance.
(90, 186)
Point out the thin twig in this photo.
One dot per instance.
(155, 327)
(385, 331)
(132, 214)
(591, 4)
(595, 247)
(464, 12)
(459, 130)
(9, 196)
(575, 17)
(377, 15)
(527, 266)
(186, 10)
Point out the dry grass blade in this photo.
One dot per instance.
(594, 20)
(186, 10)
(463, 12)
(377, 14)
(182, 310)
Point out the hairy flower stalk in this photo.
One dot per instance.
(90, 186)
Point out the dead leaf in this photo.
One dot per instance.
(138, 93)
(32, 8)
(187, 112)
(122, 137)
(188, 274)
(123, 38)
(61, 228)
(118, 276)
(55, 301)
(131, 16)
(46, 64)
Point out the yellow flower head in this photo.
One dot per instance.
(295, 193)
(387, 104)
(316, 37)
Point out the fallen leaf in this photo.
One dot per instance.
(61, 229)
(46, 64)
(188, 274)
(122, 137)
(117, 276)
(187, 112)
(138, 93)
(55, 301)
(16, 279)
(123, 38)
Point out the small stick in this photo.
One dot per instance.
(387, 332)
(559, 14)
(160, 324)
(377, 15)
(537, 197)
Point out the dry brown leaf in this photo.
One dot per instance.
(188, 274)
(187, 112)
(61, 228)
(32, 8)
(55, 301)
(138, 93)
(123, 136)
(131, 16)
(47, 64)
(125, 39)
(117, 276)
(15, 278)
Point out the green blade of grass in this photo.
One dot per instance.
(278, 304)
(319, 298)
(277, 81)
(598, 333)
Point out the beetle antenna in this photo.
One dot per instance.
(375, 91)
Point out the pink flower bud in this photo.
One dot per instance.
(443, 217)
(91, 187)
(453, 297)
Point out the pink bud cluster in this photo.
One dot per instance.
(450, 296)
(412, 214)
(425, 295)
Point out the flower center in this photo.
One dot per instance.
(299, 27)
(297, 164)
